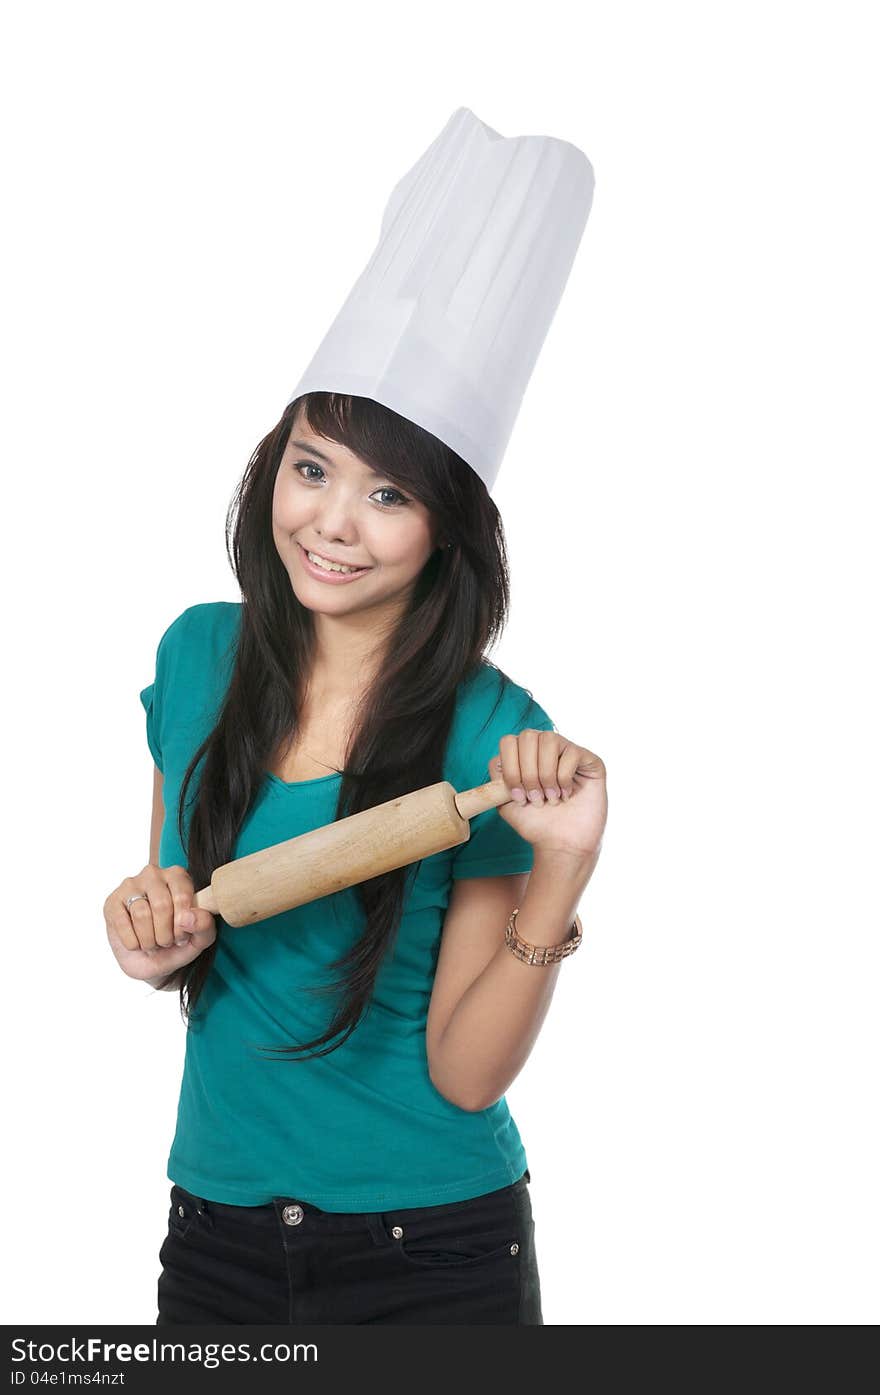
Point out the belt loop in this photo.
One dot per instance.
(377, 1227)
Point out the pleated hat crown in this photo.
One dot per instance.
(446, 321)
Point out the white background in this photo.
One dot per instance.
(191, 190)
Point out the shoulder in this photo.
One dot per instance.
(491, 697)
(197, 649)
(490, 704)
(194, 662)
(207, 623)
(214, 623)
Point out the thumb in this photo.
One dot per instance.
(197, 926)
(204, 929)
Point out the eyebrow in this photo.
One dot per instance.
(304, 445)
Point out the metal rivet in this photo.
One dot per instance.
(180, 1211)
(397, 1232)
(292, 1215)
(514, 1249)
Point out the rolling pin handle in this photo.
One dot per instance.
(207, 901)
(482, 797)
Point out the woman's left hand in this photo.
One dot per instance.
(572, 817)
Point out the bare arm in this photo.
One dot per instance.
(156, 824)
(488, 1006)
(158, 818)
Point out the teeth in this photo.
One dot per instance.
(330, 566)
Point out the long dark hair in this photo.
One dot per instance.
(458, 608)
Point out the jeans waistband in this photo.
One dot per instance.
(269, 1213)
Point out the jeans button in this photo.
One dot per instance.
(514, 1249)
(180, 1211)
(397, 1232)
(292, 1215)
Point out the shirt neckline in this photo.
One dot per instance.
(295, 784)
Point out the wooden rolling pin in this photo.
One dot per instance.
(346, 852)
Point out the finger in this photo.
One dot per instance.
(528, 764)
(566, 769)
(205, 931)
(510, 768)
(118, 921)
(182, 893)
(548, 765)
(156, 885)
(496, 772)
(138, 914)
(578, 766)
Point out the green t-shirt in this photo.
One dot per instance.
(362, 1128)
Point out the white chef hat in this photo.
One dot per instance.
(445, 323)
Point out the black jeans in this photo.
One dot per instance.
(289, 1262)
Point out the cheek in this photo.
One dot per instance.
(286, 504)
(406, 548)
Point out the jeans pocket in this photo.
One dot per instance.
(474, 1232)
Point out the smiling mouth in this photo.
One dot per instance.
(317, 560)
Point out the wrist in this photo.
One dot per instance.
(570, 864)
(554, 889)
(156, 981)
(539, 948)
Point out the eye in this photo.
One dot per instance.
(387, 489)
(307, 465)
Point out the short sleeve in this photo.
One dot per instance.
(153, 696)
(495, 849)
(151, 704)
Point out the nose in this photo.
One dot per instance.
(334, 518)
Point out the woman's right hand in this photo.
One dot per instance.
(147, 937)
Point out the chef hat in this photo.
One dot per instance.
(445, 323)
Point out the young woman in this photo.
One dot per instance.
(343, 1151)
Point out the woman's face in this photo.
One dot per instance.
(328, 501)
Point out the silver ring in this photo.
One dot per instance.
(138, 896)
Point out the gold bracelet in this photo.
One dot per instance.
(541, 954)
